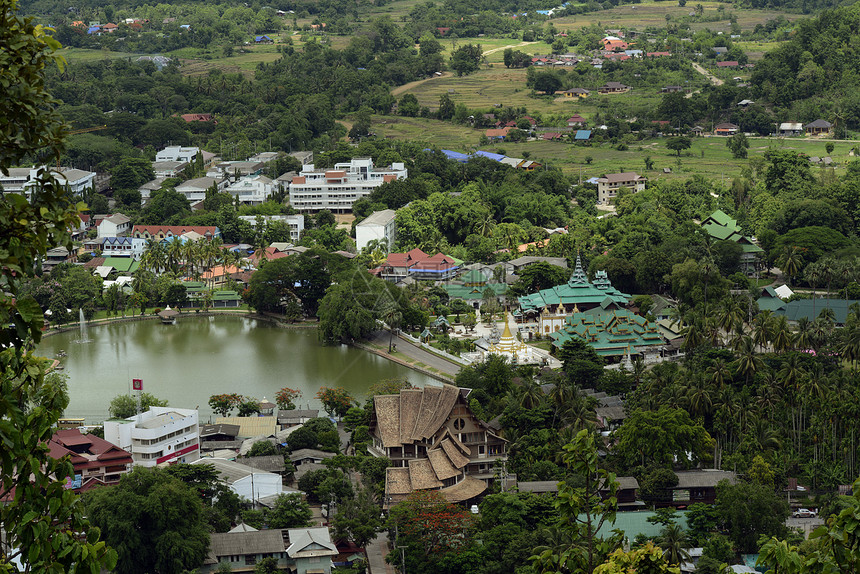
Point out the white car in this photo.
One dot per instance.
(804, 513)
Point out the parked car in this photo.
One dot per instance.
(804, 513)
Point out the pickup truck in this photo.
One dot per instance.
(804, 513)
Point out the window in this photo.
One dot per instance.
(459, 423)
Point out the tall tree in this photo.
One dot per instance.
(43, 524)
(154, 521)
(583, 510)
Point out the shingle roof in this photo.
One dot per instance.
(421, 474)
(246, 543)
(703, 478)
(467, 488)
(269, 463)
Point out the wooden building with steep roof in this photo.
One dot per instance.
(434, 442)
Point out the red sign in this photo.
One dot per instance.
(137, 384)
(178, 453)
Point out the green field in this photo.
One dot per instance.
(495, 85)
(717, 161)
(653, 14)
(73, 55)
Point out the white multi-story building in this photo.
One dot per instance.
(23, 179)
(123, 247)
(116, 225)
(296, 223)
(337, 189)
(379, 225)
(161, 434)
(195, 189)
(252, 190)
(177, 153)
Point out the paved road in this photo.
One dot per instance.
(376, 551)
(416, 354)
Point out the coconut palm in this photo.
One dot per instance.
(672, 541)
(782, 339)
(719, 373)
(803, 337)
(791, 261)
(748, 361)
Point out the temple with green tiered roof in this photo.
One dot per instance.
(613, 334)
(550, 307)
(723, 228)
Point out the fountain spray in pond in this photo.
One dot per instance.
(83, 338)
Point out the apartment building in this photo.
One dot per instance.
(608, 186)
(337, 189)
(161, 434)
(380, 226)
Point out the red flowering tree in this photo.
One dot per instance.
(223, 404)
(336, 401)
(285, 397)
(430, 522)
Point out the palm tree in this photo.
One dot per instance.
(699, 399)
(532, 395)
(672, 541)
(791, 261)
(762, 329)
(782, 338)
(813, 276)
(719, 373)
(803, 336)
(748, 361)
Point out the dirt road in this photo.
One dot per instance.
(499, 49)
(406, 87)
(714, 80)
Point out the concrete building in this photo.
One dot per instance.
(380, 225)
(168, 168)
(161, 434)
(608, 186)
(246, 481)
(195, 189)
(177, 153)
(116, 225)
(296, 223)
(252, 190)
(337, 189)
(23, 179)
(123, 247)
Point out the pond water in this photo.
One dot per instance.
(196, 357)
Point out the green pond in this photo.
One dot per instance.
(196, 357)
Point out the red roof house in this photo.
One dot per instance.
(96, 461)
(418, 265)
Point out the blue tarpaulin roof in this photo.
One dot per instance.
(490, 155)
(455, 155)
(582, 135)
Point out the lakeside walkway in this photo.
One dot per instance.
(408, 353)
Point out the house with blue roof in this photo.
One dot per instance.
(490, 155)
(94, 30)
(263, 40)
